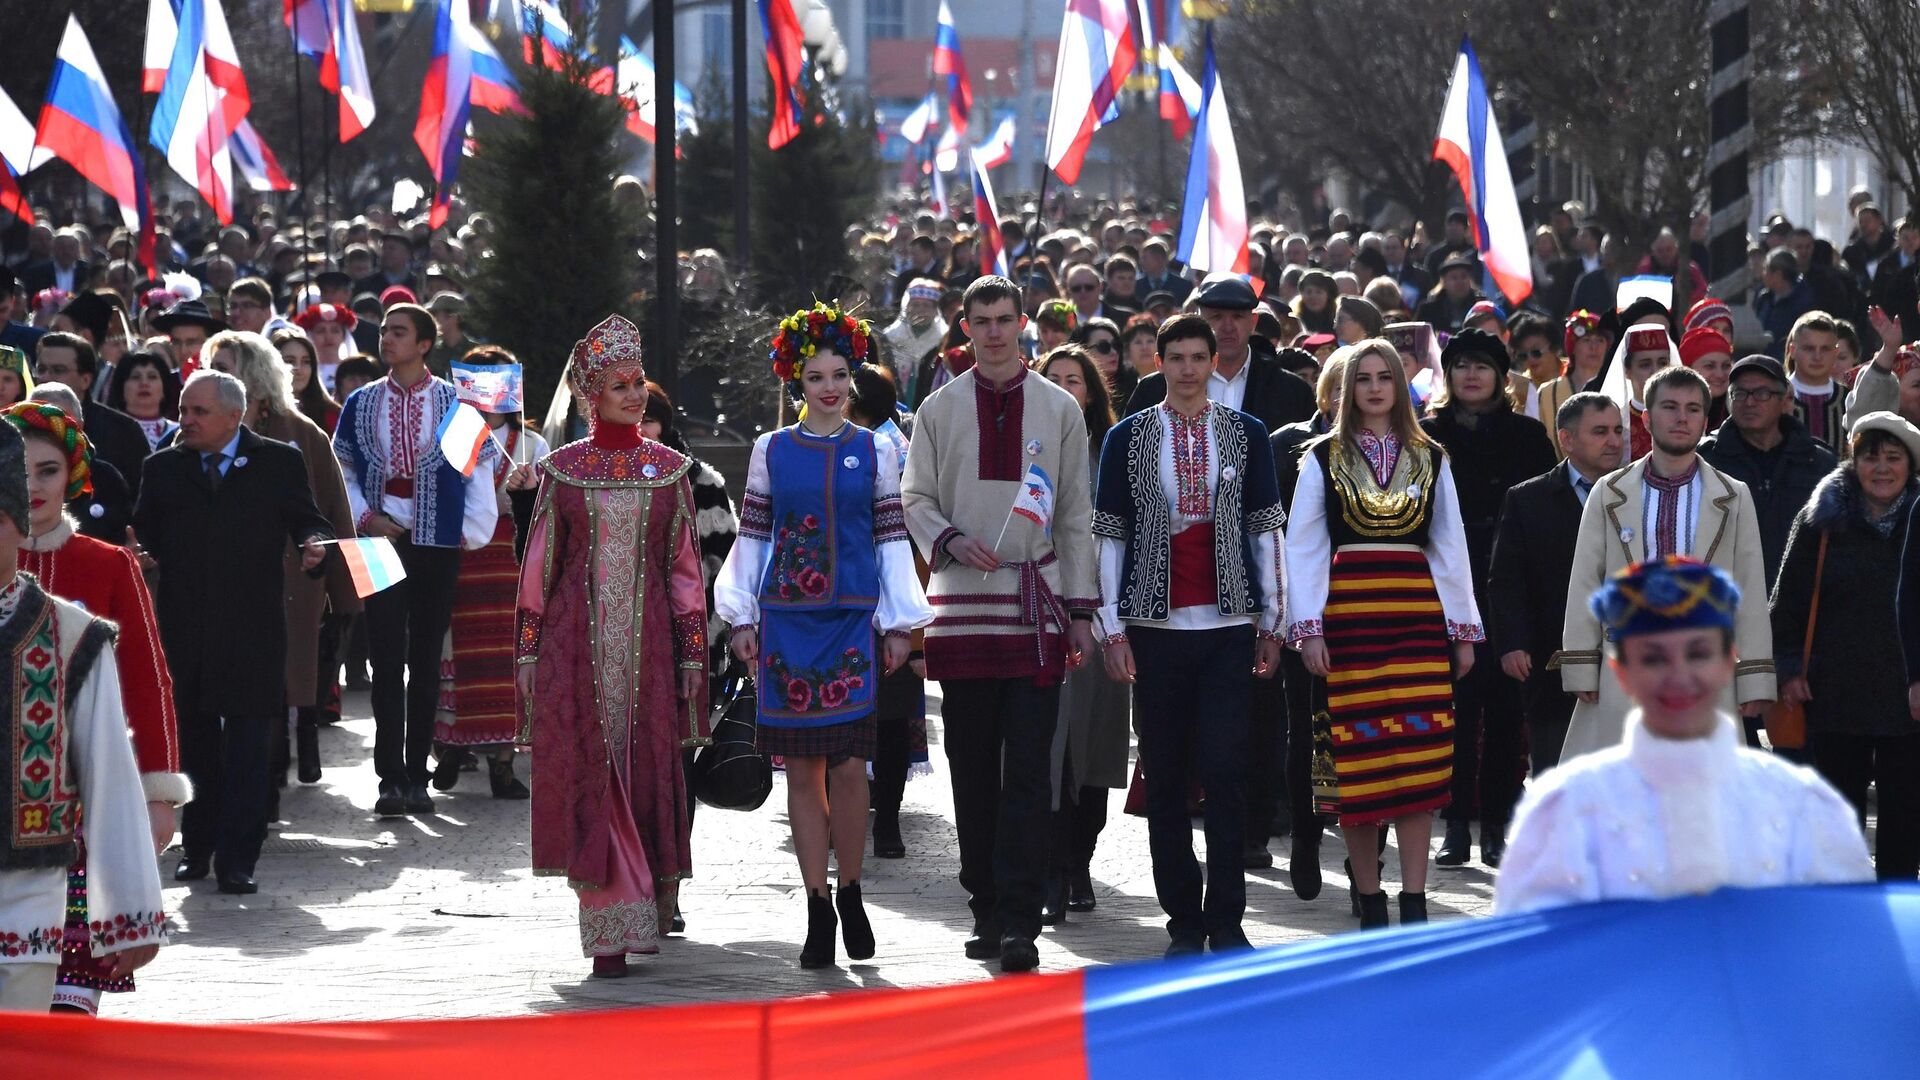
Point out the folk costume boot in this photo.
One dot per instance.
(610, 967)
(505, 784)
(854, 927)
(1413, 908)
(1373, 909)
(307, 742)
(1457, 848)
(817, 952)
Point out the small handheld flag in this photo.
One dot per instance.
(1035, 501)
(463, 435)
(373, 564)
(494, 388)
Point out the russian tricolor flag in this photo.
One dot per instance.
(1469, 142)
(16, 157)
(546, 39)
(986, 216)
(257, 163)
(80, 125)
(202, 100)
(373, 563)
(948, 61)
(1213, 212)
(786, 62)
(1095, 56)
(328, 33)
(441, 130)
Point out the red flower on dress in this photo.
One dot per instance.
(834, 694)
(799, 695)
(810, 521)
(812, 582)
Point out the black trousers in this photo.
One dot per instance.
(1489, 735)
(1549, 709)
(226, 758)
(1190, 694)
(999, 739)
(1267, 779)
(406, 625)
(1892, 763)
(1076, 826)
(1302, 692)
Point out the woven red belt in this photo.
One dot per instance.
(400, 487)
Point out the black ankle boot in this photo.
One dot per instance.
(505, 784)
(1080, 891)
(1457, 848)
(854, 926)
(818, 950)
(1373, 909)
(1380, 867)
(1303, 865)
(1053, 907)
(1413, 907)
(887, 843)
(446, 767)
(307, 740)
(1493, 842)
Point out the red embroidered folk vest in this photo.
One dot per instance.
(49, 648)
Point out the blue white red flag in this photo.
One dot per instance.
(914, 127)
(16, 157)
(444, 102)
(1213, 211)
(256, 163)
(948, 61)
(202, 100)
(546, 38)
(1469, 142)
(1095, 56)
(493, 88)
(986, 216)
(80, 124)
(638, 83)
(1035, 501)
(998, 149)
(786, 62)
(328, 33)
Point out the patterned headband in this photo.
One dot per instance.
(31, 416)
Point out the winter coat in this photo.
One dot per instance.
(1502, 449)
(1856, 674)
(1780, 481)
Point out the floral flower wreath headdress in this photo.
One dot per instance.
(807, 331)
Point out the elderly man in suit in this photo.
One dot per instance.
(1670, 502)
(215, 511)
(1533, 560)
(1249, 376)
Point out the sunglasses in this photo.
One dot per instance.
(1103, 346)
(1532, 354)
(1083, 288)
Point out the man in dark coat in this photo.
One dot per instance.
(1765, 447)
(1533, 561)
(71, 359)
(1491, 449)
(215, 512)
(1252, 381)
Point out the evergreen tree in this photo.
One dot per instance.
(564, 250)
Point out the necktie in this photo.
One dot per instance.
(214, 461)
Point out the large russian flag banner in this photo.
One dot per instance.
(1469, 142)
(1818, 981)
(80, 125)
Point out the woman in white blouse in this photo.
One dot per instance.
(1682, 807)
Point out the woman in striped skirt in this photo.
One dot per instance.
(1380, 598)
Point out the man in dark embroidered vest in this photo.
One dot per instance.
(64, 749)
(402, 487)
(1188, 524)
(1013, 592)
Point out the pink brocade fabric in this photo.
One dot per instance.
(573, 800)
(621, 916)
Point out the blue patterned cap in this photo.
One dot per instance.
(1674, 593)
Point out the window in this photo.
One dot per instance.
(887, 18)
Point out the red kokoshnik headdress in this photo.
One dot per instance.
(806, 332)
(608, 347)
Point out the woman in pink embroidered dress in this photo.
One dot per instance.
(613, 654)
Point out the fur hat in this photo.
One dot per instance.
(13, 477)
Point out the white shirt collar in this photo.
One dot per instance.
(1808, 389)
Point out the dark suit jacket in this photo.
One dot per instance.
(1173, 284)
(377, 283)
(117, 438)
(105, 513)
(1275, 396)
(1288, 443)
(1595, 291)
(40, 276)
(221, 597)
(1532, 563)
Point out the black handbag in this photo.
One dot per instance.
(731, 773)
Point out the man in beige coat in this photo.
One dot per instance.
(1670, 502)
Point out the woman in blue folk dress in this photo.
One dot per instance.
(823, 562)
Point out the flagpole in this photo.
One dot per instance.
(300, 128)
(1004, 526)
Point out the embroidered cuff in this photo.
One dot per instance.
(1108, 525)
(1304, 629)
(1465, 631)
(690, 639)
(940, 544)
(1114, 639)
(889, 520)
(365, 519)
(1083, 606)
(127, 931)
(1264, 634)
(756, 516)
(526, 637)
(906, 635)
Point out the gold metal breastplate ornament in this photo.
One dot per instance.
(1368, 509)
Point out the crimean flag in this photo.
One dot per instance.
(203, 99)
(1213, 211)
(1095, 57)
(328, 33)
(998, 149)
(948, 61)
(786, 62)
(1469, 142)
(914, 128)
(256, 162)
(80, 125)
(16, 157)
(986, 216)
(462, 436)
(1035, 500)
(373, 564)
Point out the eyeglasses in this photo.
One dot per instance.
(1533, 354)
(1083, 287)
(1103, 346)
(1761, 395)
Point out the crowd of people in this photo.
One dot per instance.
(1341, 542)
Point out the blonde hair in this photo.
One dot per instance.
(259, 367)
(1347, 423)
(1332, 379)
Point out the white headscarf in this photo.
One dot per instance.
(1616, 384)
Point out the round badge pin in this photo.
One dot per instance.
(850, 461)
(240, 463)
(1626, 534)
(649, 470)
(96, 510)
(1413, 491)
(1229, 473)
(1033, 448)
